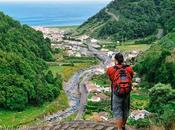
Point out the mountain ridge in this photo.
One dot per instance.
(136, 19)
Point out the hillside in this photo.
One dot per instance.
(131, 19)
(158, 64)
(157, 69)
(23, 56)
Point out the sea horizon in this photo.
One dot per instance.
(51, 14)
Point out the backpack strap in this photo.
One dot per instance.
(116, 67)
(124, 66)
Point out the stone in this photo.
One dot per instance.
(57, 127)
(137, 80)
(110, 128)
(100, 127)
(65, 126)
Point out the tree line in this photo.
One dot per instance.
(24, 79)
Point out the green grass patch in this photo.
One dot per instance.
(71, 117)
(101, 80)
(139, 100)
(32, 114)
(134, 47)
(67, 71)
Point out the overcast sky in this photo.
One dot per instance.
(55, 1)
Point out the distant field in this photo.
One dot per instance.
(134, 47)
(32, 114)
(67, 71)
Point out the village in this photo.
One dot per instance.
(77, 47)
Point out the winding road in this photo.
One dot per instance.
(112, 15)
(76, 90)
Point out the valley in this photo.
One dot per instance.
(55, 77)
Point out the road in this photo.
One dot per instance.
(76, 90)
(112, 15)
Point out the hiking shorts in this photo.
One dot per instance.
(121, 106)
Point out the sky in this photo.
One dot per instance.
(55, 1)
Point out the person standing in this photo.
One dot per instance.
(121, 76)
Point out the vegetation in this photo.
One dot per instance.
(133, 47)
(32, 115)
(101, 80)
(157, 66)
(136, 19)
(23, 53)
(71, 117)
(162, 102)
(96, 107)
(70, 65)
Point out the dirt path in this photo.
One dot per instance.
(116, 18)
(160, 33)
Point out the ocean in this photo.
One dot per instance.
(51, 14)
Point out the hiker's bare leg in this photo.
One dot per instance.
(119, 123)
(124, 122)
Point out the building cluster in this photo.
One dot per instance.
(98, 95)
(76, 47)
(54, 34)
(73, 48)
(98, 92)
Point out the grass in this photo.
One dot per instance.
(101, 80)
(71, 117)
(32, 114)
(67, 71)
(133, 47)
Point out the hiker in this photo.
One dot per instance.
(121, 77)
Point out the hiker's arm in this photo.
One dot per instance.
(108, 73)
(131, 72)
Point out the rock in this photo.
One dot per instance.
(138, 80)
(135, 84)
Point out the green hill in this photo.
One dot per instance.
(131, 19)
(157, 69)
(158, 63)
(23, 56)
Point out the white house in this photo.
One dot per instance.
(95, 99)
(78, 54)
(138, 80)
(94, 40)
(107, 89)
(83, 37)
(139, 114)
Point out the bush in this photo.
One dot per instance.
(16, 98)
(141, 123)
(162, 102)
(148, 40)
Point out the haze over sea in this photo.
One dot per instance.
(51, 14)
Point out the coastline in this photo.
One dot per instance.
(58, 26)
